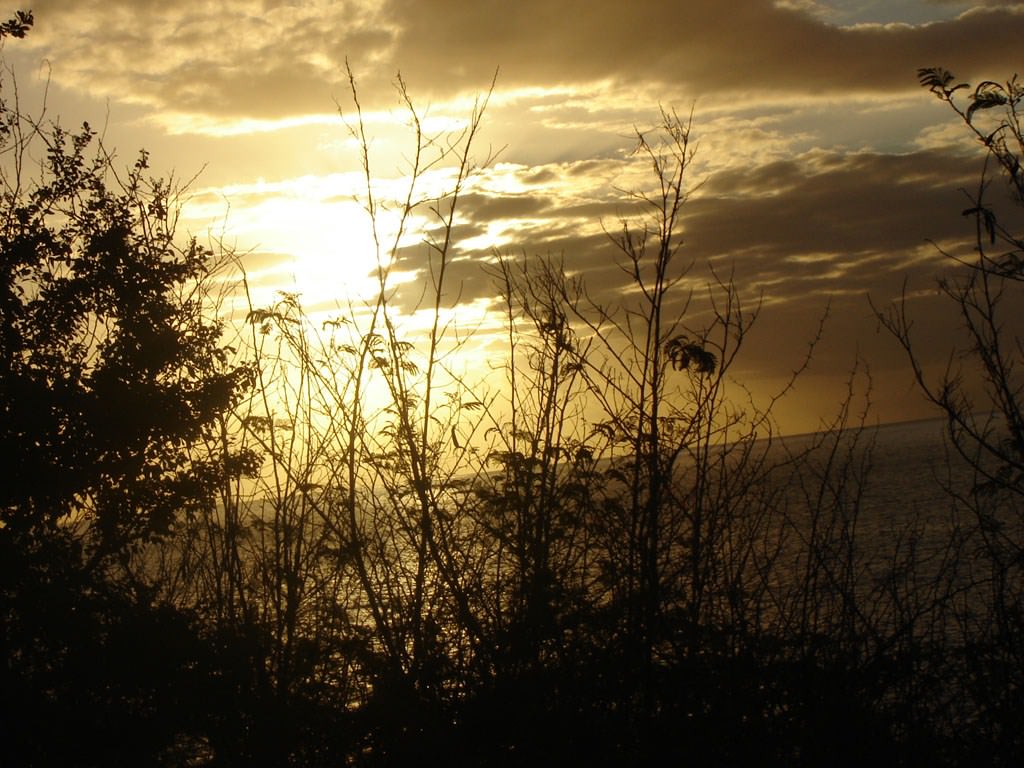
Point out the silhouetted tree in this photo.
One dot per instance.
(110, 374)
(980, 396)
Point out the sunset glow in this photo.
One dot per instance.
(821, 176)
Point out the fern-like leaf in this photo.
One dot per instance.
(986, 96)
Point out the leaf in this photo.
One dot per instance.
(258, 423)
(988, 219)
(683, 354)
(934, 78)
(938, 80)
(570, 368)
(259, 316)
(264, 316)
(18, 26)
(616, 474)
(986, 96)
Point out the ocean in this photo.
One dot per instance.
(897, 529)
(905, 474)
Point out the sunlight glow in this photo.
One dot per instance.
(315, 222)
(195, 124)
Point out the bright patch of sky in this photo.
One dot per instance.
(851, 12)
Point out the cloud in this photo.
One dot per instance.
(274, 60)
(827, 168)
(484, 208)
(987, 3)
(241, 58)
(756, 46)
(821, 223)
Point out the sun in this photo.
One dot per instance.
(308, 235)
(325, 238)
(330, 245)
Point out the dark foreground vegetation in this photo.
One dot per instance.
(287, 542)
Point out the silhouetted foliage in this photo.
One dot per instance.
(979, 394)
(110, 375)
(17, 26)
(683, 354)
(987, 428)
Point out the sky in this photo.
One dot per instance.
(825, 176)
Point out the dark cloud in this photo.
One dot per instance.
(754, 47)
(816, 203)
(988, 3)
(830, 202)
(820, 229)
(482, 207)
